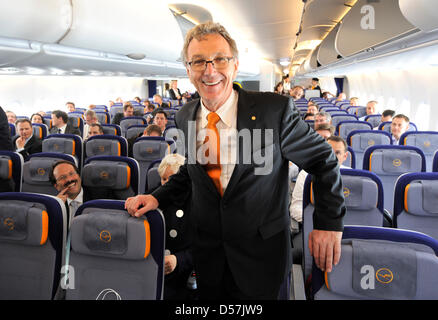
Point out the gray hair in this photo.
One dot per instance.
(174, 161)
(201, 30)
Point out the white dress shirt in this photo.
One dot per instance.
(227, 127)
(62, 128)
(296, 204)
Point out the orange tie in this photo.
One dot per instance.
(214, 169)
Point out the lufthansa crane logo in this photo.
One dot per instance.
(427, 144)
(397, 162)
(104, 175)
(101, 148)
(105, 236)
(384, 275)
(41, 171)
(371, 142)
(346, 192)
(149, 150)
(9, 224)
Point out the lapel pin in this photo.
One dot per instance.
(253, 118)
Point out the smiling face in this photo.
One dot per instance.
(66, 176)
(214, 86)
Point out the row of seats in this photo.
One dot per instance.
(413, 207)
(42, 130)
(124, 176)
(106, 255)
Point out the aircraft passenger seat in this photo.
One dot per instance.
(391, 161)
(36, 172)
(146, 150)
(119, 175)
(115, 256)
(106, 145)
(66, 144)
(415, 203)
(363, 193)
(380, 264)
(427, 141)
(11, 171)
(32, 245)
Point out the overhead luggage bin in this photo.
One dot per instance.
(369, 24)
(327, 52)
(421, 13)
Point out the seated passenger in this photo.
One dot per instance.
(90, 118)
(157, 99)
(322, 117)
(70, 106)
(36, 118)
(12, 117)
(399, 125)
(65, 177)
(151, 130)
(26, 143)
(325, 130)
(178, 262)
(340, 149)
(128, 111)
(60, 125)
(94, 129)
(312, 109)
(387, 115)
(160, 119)
(371, 108)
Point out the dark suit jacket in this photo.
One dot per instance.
(173, 96)
(5, 134)
(34, 145)
(68, 130)
(248, 227)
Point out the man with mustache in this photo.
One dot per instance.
(66, 179)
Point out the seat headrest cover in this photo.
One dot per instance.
(421, 198)
(100, 147)
(110, 233)
(150, 150)
(395, 162)
(23, 222)
(59, 145)
(428, 143)
(360, 193)
(109, 174)
(36, 170)
(5, 168)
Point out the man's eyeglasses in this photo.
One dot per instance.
(63, 177)
(218, 63)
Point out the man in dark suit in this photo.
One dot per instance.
(26, 143)
(60, 124)
(239, 209)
